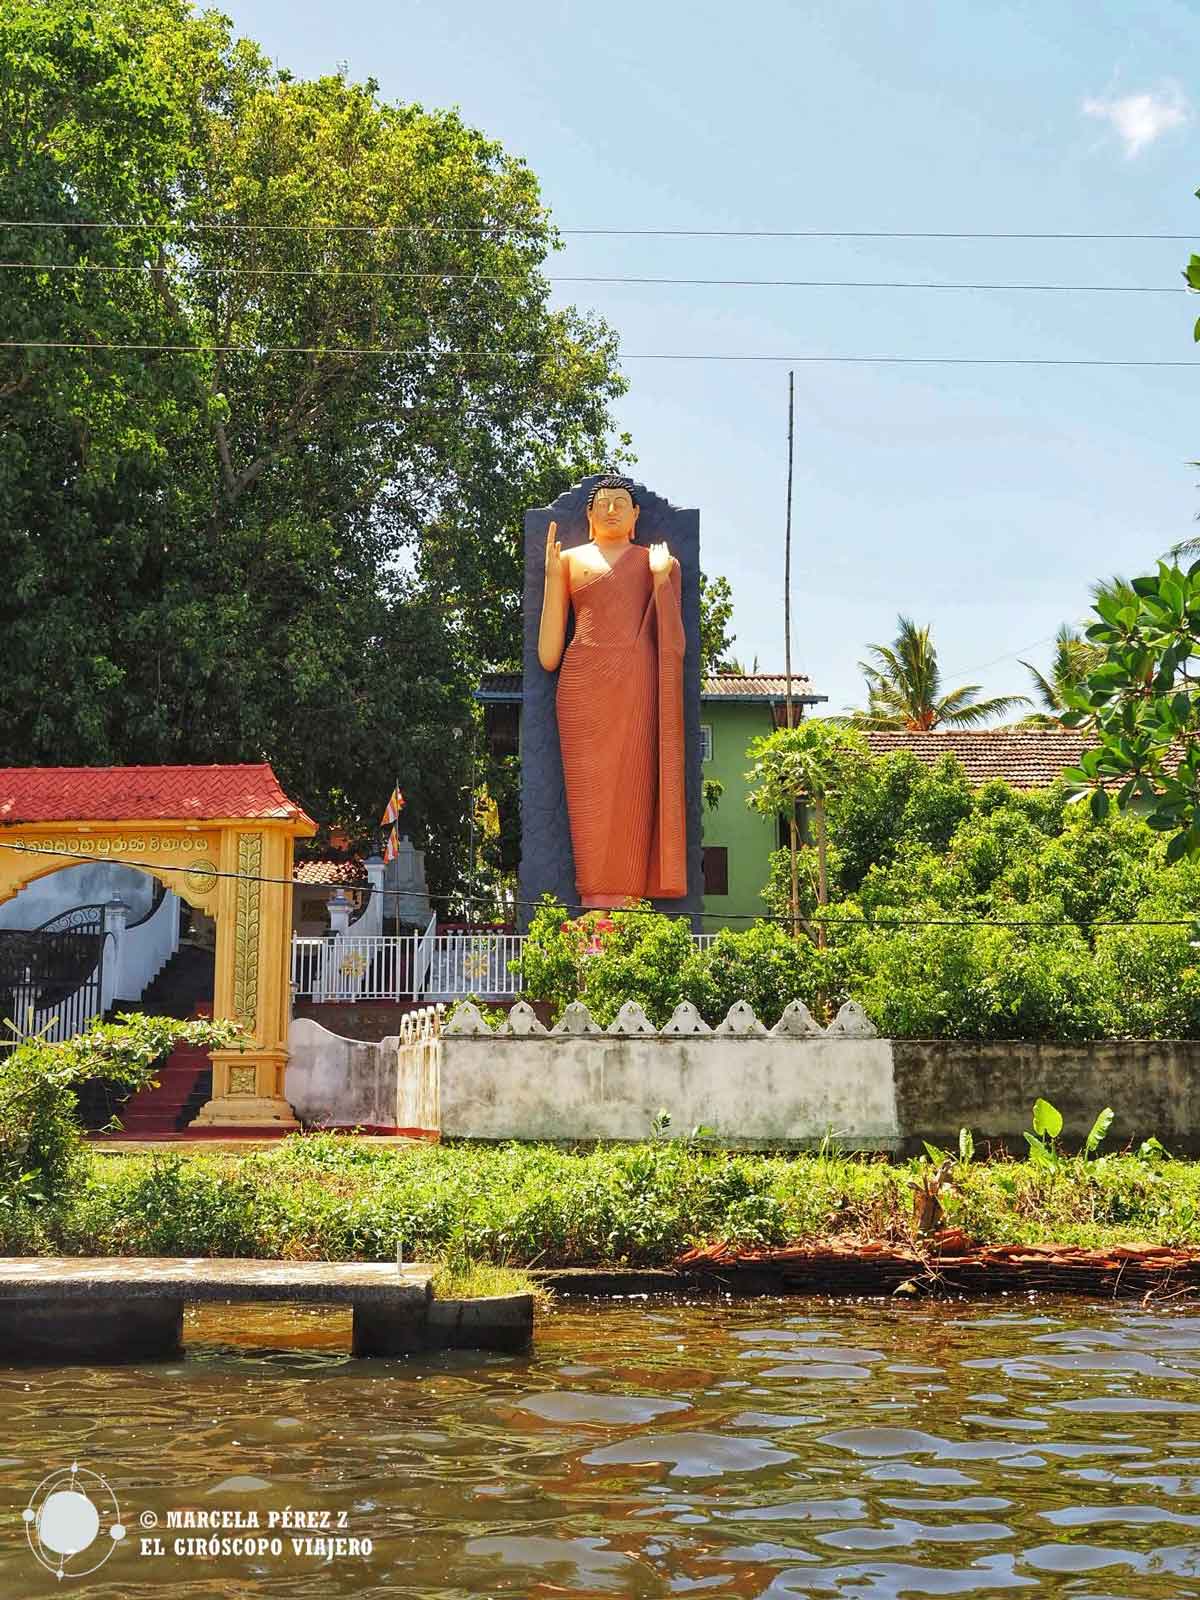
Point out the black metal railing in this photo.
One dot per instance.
(52, 977)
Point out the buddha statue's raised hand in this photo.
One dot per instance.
(556, 567)
(661, 562)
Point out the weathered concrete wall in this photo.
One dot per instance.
(789, 1088)
(945, 1084)
(749, 1090)
(367, 1019)
(384, 1086)
(342, 1082)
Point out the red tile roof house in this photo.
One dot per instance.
(1026, 758)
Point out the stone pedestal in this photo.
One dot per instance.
(248, 1092)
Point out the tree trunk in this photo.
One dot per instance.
(822, 868)
(794, 836)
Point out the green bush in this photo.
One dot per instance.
(981, 983)
(639, 955)
(953, 914)
(551, 962)
(1154, 976)
(764, 966)
(324, 1197)
(41, 1142)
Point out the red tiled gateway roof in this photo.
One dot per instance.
(143, 794)
(1027, 758)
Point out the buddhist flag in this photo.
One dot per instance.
(393, 809)
(391, 815)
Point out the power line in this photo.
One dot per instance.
(1009, 655)
(715, 355)
(860, 919)
(500, 229)
(716, 283)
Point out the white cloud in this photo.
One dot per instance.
(1142, 118)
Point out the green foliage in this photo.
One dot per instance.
(551, 962)
(605, 960)
(1047, 1120)
(882, 808)
(716, 615)
(1044, 1149)
(1098, 1131)
(978, 983)
(990, 914)
(1143, 704)
(332, 1198)
(641, 957)
(41, 1144)
(764, 966)
(219, 553)
(811, 762)
(985, 912)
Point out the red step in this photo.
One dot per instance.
(157, 1110)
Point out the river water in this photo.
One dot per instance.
(755, 1448)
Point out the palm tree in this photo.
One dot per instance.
(1073, 659)
(904, 688)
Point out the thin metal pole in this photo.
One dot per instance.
(787, 549)
(471, 838)
(793, 841)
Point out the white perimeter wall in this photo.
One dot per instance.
(747, 1089)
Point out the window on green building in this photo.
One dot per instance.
(706, 741)
(715, 859)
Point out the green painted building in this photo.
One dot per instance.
(734, 709)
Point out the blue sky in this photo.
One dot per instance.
(982, 500)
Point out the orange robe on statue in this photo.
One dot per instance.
(620, 726)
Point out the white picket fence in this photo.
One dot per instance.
(413, 966)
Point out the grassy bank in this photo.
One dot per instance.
(522, 1205)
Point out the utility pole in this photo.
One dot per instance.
(787, 549)
(793, 827)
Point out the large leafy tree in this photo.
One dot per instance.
(716, 625)
(1142, 701)
(295, 532)
(1143, 705)
(904, 688)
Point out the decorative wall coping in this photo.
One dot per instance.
(416, 1027)
(797, 1022)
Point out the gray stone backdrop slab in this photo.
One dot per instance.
(547, 864)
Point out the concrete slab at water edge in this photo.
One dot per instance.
(489, 1322)
(204, 1278)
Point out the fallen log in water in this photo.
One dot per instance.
(949, 1263)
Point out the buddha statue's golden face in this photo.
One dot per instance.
(613, 515)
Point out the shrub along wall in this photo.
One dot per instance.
(956, 914)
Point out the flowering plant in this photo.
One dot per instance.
(561, 952)
(588, 931)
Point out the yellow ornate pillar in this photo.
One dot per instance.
(253, 977)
